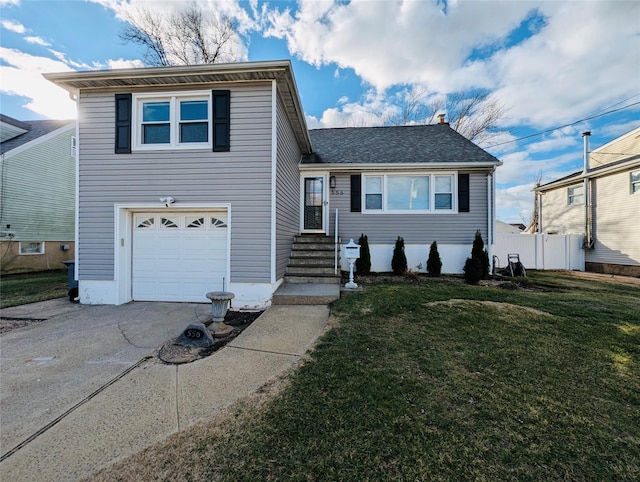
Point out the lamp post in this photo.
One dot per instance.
(351, 253)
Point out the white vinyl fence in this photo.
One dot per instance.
(541, 251)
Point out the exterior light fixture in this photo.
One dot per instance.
(332, 182)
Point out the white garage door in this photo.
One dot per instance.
(179, 256)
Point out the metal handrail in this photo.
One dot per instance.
(335, 243)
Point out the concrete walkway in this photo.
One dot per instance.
(83, 389)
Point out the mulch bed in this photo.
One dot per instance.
(174, 354)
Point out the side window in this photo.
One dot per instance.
(575, 195)
(31, 247)
(156, 122)
(194, 121)
(635, 182)
(443, 192)
(373, 192)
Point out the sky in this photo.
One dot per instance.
(558, 68)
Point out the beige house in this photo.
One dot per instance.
(602, 202)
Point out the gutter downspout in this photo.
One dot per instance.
(490, 214)
(588, 229)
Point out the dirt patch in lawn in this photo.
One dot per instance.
(493, 304)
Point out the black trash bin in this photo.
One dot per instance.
(72, 283)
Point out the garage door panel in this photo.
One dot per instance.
(178, 257)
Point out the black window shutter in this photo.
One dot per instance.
(463, 193)
(221, 114)
(356, 193)
(123, 124)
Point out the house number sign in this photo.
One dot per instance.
(193, 333)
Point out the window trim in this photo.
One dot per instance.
(634, 184)
(432, 177)
(174, 99)
(571, 198)
(40, 250)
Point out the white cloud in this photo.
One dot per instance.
(586, 58)
(583, 57)
(420, 45)
(124, 64)
(37, 41)
(13, 26)
(5, 3)
(23, 76)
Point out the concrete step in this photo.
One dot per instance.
(305, 294)
(310, 270)
(312, 238)
(320, 279)
(320, 247)
(311, 261)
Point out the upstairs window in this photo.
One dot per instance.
(635, 182)
(173, 121)
(575, 195)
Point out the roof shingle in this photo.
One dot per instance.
(435, 143)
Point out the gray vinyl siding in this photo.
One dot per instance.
(241, 177)
(382, 228)
(37, 192)
(616, 226)
(287, 190)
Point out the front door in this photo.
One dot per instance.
(314, 204)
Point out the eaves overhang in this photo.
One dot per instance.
(279, 71)
(607, 169)
(442, 166)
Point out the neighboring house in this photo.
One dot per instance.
(602, 203)
(37, 194)
(505, 228)
(196, 179)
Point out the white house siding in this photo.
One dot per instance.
(38, 190)
(287, 190)
(557, 216)
(241, 178)
(617, 230)
(454, 233)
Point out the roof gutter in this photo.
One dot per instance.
(340, 167)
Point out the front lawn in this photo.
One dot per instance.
(19, 289)
(438, 380)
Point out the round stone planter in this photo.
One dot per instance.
(219, 304)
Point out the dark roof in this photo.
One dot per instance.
(14, 122)
(37, 128)
(435, 143)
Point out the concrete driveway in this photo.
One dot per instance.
(83, 389)
(48, 367)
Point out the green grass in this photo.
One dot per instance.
(19, 289)
(439, 380)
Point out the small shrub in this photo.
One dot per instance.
(472, 271)
(363, 263)
(478, 252)
(434, 264)
(399, 260)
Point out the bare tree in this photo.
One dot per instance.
(474, 114)
(186, 36)
(533, 224)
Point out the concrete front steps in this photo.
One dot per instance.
(310, 278)
(312, 260)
